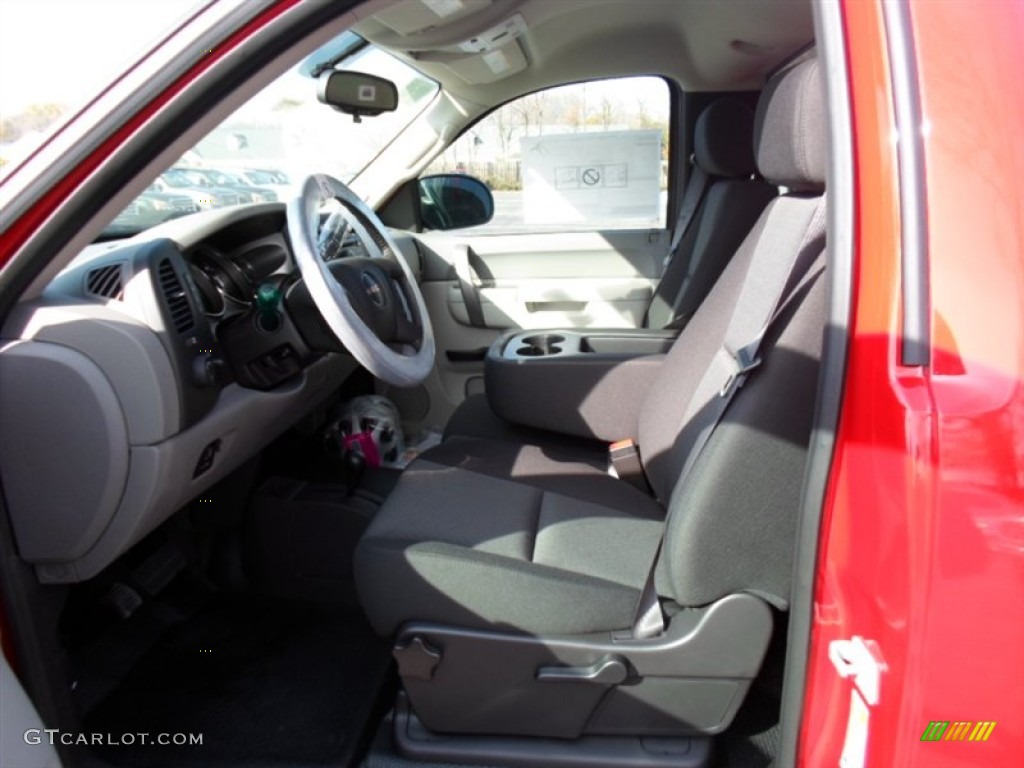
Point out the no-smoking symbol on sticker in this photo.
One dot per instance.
(591, 176)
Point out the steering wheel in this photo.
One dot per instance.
(372, 305)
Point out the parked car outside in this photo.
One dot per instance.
(237, 182)
(152, 207)
(203, 195)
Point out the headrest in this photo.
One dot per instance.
(723, 141)
(790, 131)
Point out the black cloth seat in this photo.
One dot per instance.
(733, 198)
(474, 418)
(548, 468)
(466, 548)
(491, 533)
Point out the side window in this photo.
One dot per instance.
(583, 157)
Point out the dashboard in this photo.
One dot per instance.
(148, 370)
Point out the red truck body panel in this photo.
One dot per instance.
(922, 545)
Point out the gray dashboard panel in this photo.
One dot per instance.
(97, 449)
(128, 351)
(64, 452)
(161, 480)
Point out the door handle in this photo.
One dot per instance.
(608, 670)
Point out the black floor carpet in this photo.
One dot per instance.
(266, 683)
(752, 741)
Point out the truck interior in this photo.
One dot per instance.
(593, 566)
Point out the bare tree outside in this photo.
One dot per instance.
(574, 114)
(35, 117)
(607, 113)
(505, 128)
(531, 110)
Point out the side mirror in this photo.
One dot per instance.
(357, 94)
(454, 201)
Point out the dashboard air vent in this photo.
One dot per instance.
(178, 307)
(105, 282)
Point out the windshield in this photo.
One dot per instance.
(279, 137)
(57, 55)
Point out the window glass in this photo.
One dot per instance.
(588, 156)
(55, 55)
(282, 134)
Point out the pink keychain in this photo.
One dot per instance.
(365, 444)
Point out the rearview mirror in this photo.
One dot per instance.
(453, 201)
(357, 94)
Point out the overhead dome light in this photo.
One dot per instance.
(496, 36)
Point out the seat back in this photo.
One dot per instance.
(733, 199)
(731, 524)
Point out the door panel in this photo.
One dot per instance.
(557, 303)
(23, 740)
(579, 280)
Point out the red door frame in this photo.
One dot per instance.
(922, 543)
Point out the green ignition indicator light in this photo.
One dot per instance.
(268, 297)
(268, 305)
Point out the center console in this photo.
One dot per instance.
(587, 345)
(588, 383)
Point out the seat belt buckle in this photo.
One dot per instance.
(624, 458)
(745, 363)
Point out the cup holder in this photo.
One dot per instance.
(540, 345)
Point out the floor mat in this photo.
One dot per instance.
(752, 741)
(266, 683)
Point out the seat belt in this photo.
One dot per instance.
(696, 186)
(779, 276)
